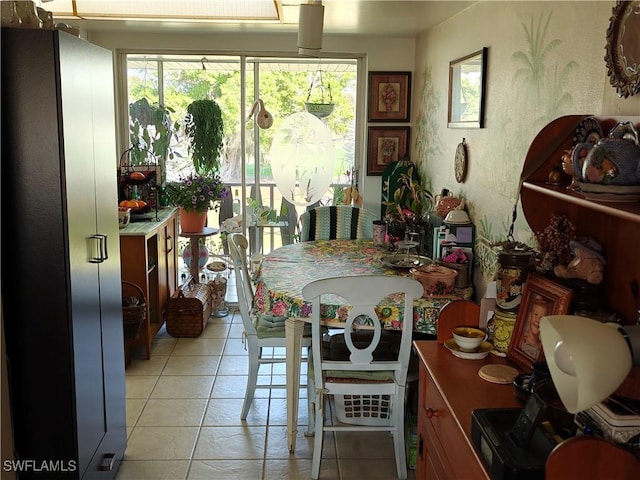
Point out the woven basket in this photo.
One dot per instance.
(132, 315)
(188, 309)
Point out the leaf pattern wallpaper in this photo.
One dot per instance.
(536, 70)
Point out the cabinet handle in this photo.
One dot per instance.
(432, 412)
(101, 249)
(106, 465)
(169, 243)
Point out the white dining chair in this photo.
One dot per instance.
(361, 382)
(260, 331)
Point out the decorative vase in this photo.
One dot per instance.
(192, 222)
(203, 256)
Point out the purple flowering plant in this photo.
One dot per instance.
(196, 193)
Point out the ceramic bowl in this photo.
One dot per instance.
(468, 338)
(457, 216)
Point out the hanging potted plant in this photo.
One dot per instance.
(318, 104)
(205, 130)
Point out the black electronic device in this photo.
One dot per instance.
(528, 421)
(493, 438)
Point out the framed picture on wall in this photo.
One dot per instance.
(389, 96)
(385, 145)
(467, 84)
(540, 297)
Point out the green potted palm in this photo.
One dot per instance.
(204, 128)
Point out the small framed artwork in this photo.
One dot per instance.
(389, 96)
(386, 145)
(467, 80)
(540, 297)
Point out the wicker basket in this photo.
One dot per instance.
(188, 309)
(134, 310)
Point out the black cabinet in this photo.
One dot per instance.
(61, 290)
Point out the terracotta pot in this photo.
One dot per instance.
(192, 222)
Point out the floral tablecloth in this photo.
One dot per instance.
(286, 270)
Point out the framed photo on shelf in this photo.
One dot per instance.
(385, 145)
(540, 297)
(389, 96)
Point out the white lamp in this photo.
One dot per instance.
(310, 25)
(588, 360)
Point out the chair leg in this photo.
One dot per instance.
(319, 436)
(398, 438)
(311, 410)
(252, 380)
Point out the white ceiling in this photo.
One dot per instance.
(397, 18)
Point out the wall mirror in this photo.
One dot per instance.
(467, 79)
(623, 48)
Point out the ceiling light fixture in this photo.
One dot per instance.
(310, 26)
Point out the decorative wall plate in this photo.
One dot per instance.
(461, 162)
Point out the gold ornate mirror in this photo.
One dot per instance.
(623, 48)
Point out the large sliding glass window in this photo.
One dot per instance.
(285, 86)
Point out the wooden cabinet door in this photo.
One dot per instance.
(167, 261)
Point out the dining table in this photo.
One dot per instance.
(286, 270)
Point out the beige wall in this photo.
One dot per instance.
(573, 80)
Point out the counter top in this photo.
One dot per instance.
(148, 226)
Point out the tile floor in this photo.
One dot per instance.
(183, 419)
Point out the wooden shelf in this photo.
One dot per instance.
(615, 225)
(629, 211)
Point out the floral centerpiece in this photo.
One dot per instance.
(196, 194)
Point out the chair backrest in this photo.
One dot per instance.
(290, 215)
(336, 222)
(238, 251)
(587, 456)
(362, 293)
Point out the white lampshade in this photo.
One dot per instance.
(588, 360)
(310, 26)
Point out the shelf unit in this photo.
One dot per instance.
(149, 259)
(615, 225)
